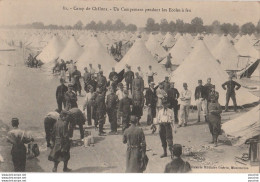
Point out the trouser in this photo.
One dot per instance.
(129, 86)
(60, 102)
(184, 114)
(101, 122)
(71, 129)
(48, 125)
(19, 158)
(119, 115)
(125, 121)
(150, 79)
(112, 116)
(89, 114)
(201, 105)
(165, 133)
(175, 110)
(56, 163)
(151, 114)
(233, 97)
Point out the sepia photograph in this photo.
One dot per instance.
(119, 86)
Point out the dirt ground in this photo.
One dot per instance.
(29, 94)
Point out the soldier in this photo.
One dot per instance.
(77, 75)
(213, 95)
(93, 82)
(125, 107)
(49, 122)
(88, 104)
(208, 86)
(112, 74)
(150, 74)
(172, 97)
(61, 143)
(129, 76)
(18, 138)
(165, 119)
(101, 82)
(151, 99)
(76, 117)
(230, 86)
(86, 79)
(138, 104)
(140, 72)
(71, 69)
(138, 83)
(100, 107)
(70, 98)
(185, 97)
(136, 147)
(201, 99)
(177, 165)
(214, 120)
(120, 94)
(111, 106)
(63, 69)
(60, 94)
(161, 95)
(114, 83)
(92, 71)
(166, 84)
(99, 68)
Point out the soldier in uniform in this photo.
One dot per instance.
(230, 86)
(77, 75)
(18, 138)
(201, 99)
(129, 76)
(111, 106)
(138, 83)
(161, 94)
(101, 82)
(213, 94)
(138, 104)
(88, 104)
(60, 94)
(125, 107)
(86, 79)
(70, 98)
(136, 147)
(76, 117)
(49, 122)
(61, 143)
(172, 97)
(100, 107)
(112, 74)
(151, 99)
(177, 165)
(165, 119)
(166, 84)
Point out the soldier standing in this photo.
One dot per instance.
(138, 83)
(172, 97)
(77, 75)
(101, 82)
(230, 86)
(138, 104)
(185, 97)
(60, 94)
(151, 99)
(129, 76)
(112, 74)
(125, 107)
(86, 79)
(166, 84)
(136, 147)
(88, 105)
(70, 98)
(201, 101)
(111, 106)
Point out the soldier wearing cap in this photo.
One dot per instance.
(86, 79)
(49, 121)
(77, 75)
(111, 106)
(101, 82)
(208, 86)
(60, 94)
(138, 83)
(18, 138)
(172, 97)
(150, 74)
(120, 94)
(61, 143)
(201, 99)
(165, 119)
(185, 98)
(88, 104)
(125, 107)
(138, 104)
(151, 99)
(70, 98)
(230, 86)
(177, 165)
(161, 95)
(112, 74)
(136, 147)
(166, 84)
(129, 76)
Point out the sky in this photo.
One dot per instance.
(14, 12)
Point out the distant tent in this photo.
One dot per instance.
(138, 55)
(226, 53)
(169, 40)
(52, 50)
(246, 126)
(245, 48)
(95, 53)
(155, 48)
(200, 64)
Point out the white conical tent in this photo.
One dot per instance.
(72, 50)
(246, 126)
(211, 41)
(177, 36)
(200, 65)
(179, 51)
(95, 53)
(139, 55)
(188, 37)
(245, 48)
(226, 53)
(52, 50)
(168, 40)
(155, 48)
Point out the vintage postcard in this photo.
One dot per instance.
(129, 86)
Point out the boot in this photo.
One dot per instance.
(65, 167)
(164, 153)
(54, 169)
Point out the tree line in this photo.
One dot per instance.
(196, 26)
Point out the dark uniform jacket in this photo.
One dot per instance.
(76, 74)
(124, 105)
(71, 100)
(166, 86)
(63, 66)
(100, 104)
(76, 117)
(60, 92)
(230, 86)
(172, 96)
(112, 101)
(101, 82)
(111, 75)
(129, 76)
(136, 146)
(138, 84)
(151, 97)
(177, 166)
(208, 87)
(200, 92)
(87, 78)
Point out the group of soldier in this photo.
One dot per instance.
(124, 106)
